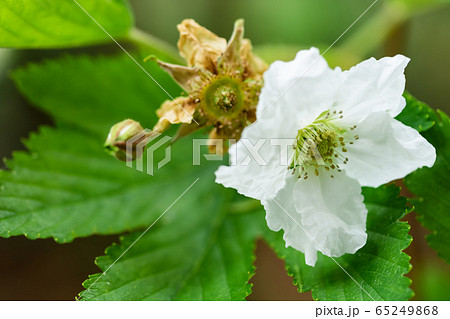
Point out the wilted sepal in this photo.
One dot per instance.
(180, 110)
(124, 137)
(186, 77)
(253, 65)
(231, 57)
(239, 56)
(199, 46)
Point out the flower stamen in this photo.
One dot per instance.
(320, 144)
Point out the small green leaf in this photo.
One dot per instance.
(417, 114)
(432, 187)
(379, 267)
(207, 255)
(61, 23)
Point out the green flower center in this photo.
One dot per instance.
(321, 144)
(223, 97)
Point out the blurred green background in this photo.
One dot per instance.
(419, 29)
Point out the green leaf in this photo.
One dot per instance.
(417, 114)
(61, 23)
(207, 255)
(432, 187)
(379, 267)
(66, 186)
(95, 93)
(69, 187)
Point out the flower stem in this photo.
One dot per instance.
(148, 42)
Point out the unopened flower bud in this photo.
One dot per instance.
(127, 139)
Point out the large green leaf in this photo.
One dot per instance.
(207, 255)
(432, 187)
(67, 186)
(379, 267)
(61, 23)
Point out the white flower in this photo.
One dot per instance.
(345, 136)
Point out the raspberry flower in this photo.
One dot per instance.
(341, 134)
(223, 81)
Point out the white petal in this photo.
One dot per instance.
(386, 150)
(320, 214)
(281, 75)
(248, 172)
(281, 214)
(332, 212)
(373, 86)
(296, 92)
